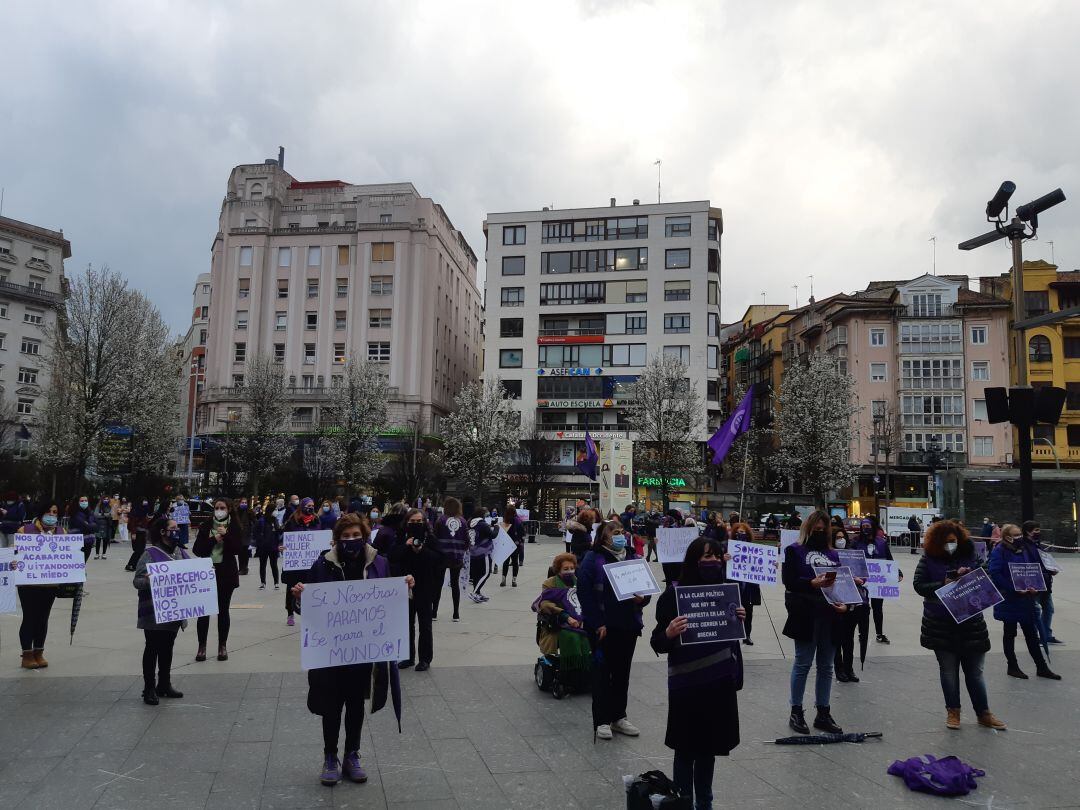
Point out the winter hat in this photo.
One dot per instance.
(307, 502)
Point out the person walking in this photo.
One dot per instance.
(481, 546)
(181, 513)
(301, 519)
(613, 627)
(220, 540)
(1019, 607)
(516, 531)
(810, 620)
(949, 555)
(333, 691)
(159, 638)
(37, 601)
(452, 542)
(83, 520)
(703, 680)
(414, 555)
(264, 533)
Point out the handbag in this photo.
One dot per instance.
(642, 789)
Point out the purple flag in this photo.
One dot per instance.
(588, 463)
(737, 423)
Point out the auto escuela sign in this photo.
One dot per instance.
(574, 403)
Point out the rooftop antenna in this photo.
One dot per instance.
(1049, 242)
(796, 288)
(657, 164)
(2, 204)
(763, 299)
(933, 254)
(811, 277)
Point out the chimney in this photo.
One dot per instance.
(281, 157)
(637, 202)
(545, 208)
(612, 202)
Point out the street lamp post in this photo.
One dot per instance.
(193, 378)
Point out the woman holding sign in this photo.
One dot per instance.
(613, 627)
(749, 591)
(160, 638)
(810, 619)
(300, 520)
(452, 541)
(37, 600)
(220, 540)
(950, 554)
(703, 680)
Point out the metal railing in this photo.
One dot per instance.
(599, 330)
(31, 293)
(943, 311)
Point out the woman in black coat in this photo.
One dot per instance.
(703, 680)
(949, 555)
(414, 554)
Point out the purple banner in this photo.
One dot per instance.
(1027, 576)
(969, 596)
(710, 613)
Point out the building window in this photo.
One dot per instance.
(931, 337)
(314, 256)
(382, 285)
(25, 407)
(513, 265)
(284, 257)
(714, 356)
(1036, 303)
(204, 313)
(680, 353)
(379, 352)
(512, 388)
(241, 320)
(931, 374)
(714, 324)
(677, 258)
(978, 335)
(636, 324)
(202, 337)
(637, 292)
(3, 309)
(34, 316)
(980, 371)
(594, 261)
(312, 288)
(30, 346)
(281, 322)
(337, 380)
(238, 380)
(3, 341)
(283, 288)
(877, 337)
(511, 327)
(677, 323)
(514, 235)
(243, 289)
(510, 358)
(978, 410)
(921, 442)
(342, 290)
(245, 257)
(379, 318)
(1039, 350)
(339, 319)
(512, 296)
(28, 376)
(309, 353)
(5, 247)
(586, 292)
(1072, 396)
(877, 408)
(382, 251)
(256, 191)
(279, 352)
(677, 226)
(927, 305)
(1072, 347)
(343, 255)
(306, 414)
(36, 283)
(386, 219)
(1073, 434)
(1044, 433)
(676, 290)
(982, 446)
(932, 411)
(878, 372)
(311, 320)
(339, 352)
(239, 352)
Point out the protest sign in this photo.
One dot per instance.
(710, 613)
(354, 622)
(969, 596)
(523, 514)
(631, 578)
(788, 537)
(980, 548)
(883, 579)
(671, 543)
(503, 546)
(1049, 563)
(303, 548)
(7, 581)
(49, 559)
(855, 560)
(183, 589)
(1027, 576)
(752, 562)
(843, 591)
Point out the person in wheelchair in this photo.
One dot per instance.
(559, 628)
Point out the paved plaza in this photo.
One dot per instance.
(476, 731)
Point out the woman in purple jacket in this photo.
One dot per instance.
(159, 637)
(452, 541)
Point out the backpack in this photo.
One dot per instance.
(655, 783)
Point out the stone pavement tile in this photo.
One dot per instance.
(557, 755)
(255, 721)
(590, 786)
(368, 796)
(438, 720)
(234, 798)
(202, 759)
(537, 790)
(77, 781)
(242, 765)
(272, 692)
(163, 789)
(121, 728)
(13, 793)
(192, 725)
(17, 734)
(414, 784)
(435, 804)
(295, 762)
(265, 680)
(27, 768)
(306, 794)
(414, 684)
(61, 737)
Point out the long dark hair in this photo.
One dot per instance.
(158, 527)
(689, 575)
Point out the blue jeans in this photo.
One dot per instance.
(1046, 609)
(949, 664)
(693, 776)
(821, 648)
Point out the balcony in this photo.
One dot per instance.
(762, 360)
(942, 311)
(27, 293)
(917, 458)
(571, 332)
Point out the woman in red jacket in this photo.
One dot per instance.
(219, 539)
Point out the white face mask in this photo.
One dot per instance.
(280, 504)
(374, 515)
(840, 542)
(951, 547)
(221, 514)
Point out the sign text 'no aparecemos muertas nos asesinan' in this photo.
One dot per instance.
(354, 622)
(183, 589)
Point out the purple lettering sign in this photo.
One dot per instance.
(842, 592)
(710, 613)
(854, 559)
(1027, 576)
(969, 596)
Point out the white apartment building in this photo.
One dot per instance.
(192, 351)
(578, 300)
(32, 287)
(313, 274)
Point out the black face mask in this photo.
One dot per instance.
(817, 539)
(417, 531)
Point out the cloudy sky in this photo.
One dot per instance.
(838, 137)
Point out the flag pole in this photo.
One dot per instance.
(746, 460)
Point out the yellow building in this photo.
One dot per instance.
(1053, 353)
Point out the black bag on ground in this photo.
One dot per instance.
(655, 783)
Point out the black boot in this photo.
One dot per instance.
(166, 691)
(825, 722)
(1014, 670)
(851, 676)
(841, 675)
(797, 721)
(1044, 672)
(149, 697)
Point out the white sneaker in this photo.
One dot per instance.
(624, 726)
(603, 732)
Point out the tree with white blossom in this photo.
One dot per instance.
(259, 441)
(480, 436)
(355, 414)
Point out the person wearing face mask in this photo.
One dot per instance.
(264, 536)
(138, 526)
(302, 519)
(949, 554)
(159, 638)
(560, 625)
(220, 540)
(875, 545)
(36, 601)
(386, 535)
(413, 554)
(749, 592)
(452, 542)
(614, 628)
(481, 547)
(810, 620)
(327, 519)
(243, 523)
(703, 680)
(293, 505)
(516, 532)
(1020, 607)
(856, 617)
(83, 520)
(333, 691)
(181, 513)
(1033, 533)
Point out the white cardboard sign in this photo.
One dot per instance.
(303, 548)
(354, 622)
(49, 559)
(183, 589)
(631, 578)
(503, 546)
(7, 581)
(671, 543)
